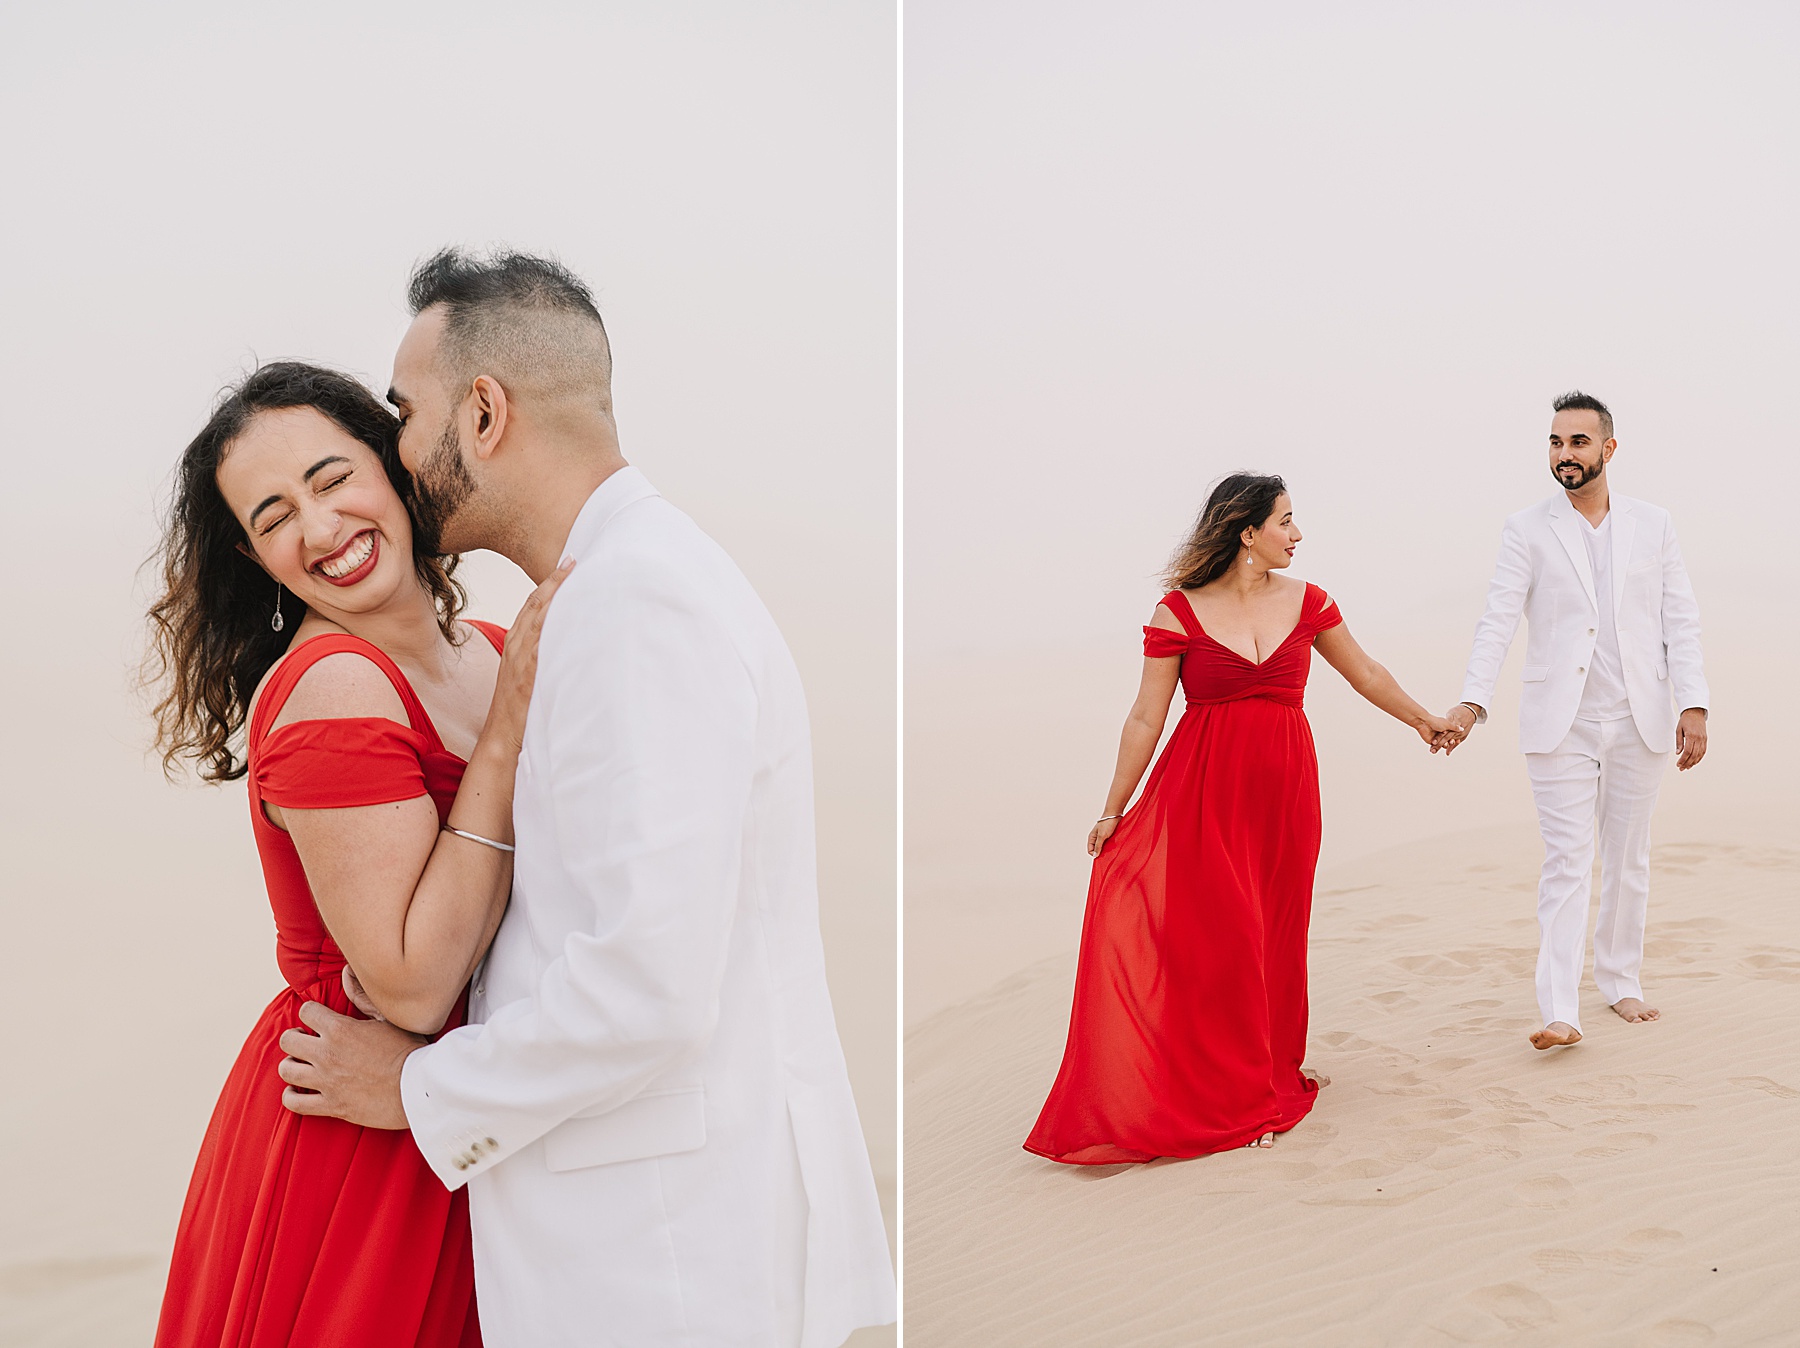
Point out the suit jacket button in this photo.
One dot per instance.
(492, 1143)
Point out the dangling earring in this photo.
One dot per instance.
(276, 623)
(1249, 559)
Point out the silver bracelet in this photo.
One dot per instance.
(476, 837)
(1103, 818)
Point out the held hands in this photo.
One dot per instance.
(1447, 731)
(518, 665)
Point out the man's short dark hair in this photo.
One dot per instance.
(1576, 400)
(527, 321)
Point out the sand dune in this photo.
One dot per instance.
(1453, 1185)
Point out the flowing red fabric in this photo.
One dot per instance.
(1189, 1022)
(311, 1232)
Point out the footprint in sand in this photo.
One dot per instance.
(1679, 1334)
(1557, 1261)
(1405, 1083)
(1343, 1039)
(1514, 1305)
(1767, 1087)
(1473, 1025)
(1600, 1090)
(1617, 1144)
(1589, 1261)
(1653, 1237)
(1511, 1106)
(1545, 1191)
(1781, 966)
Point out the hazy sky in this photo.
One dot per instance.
(193, 187)
(1362, 246)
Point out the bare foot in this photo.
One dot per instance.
(1634, 1010)
(1556, 1034)
(1319, 1077)
(1266, 1140)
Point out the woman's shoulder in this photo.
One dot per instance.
(1165, 616)
(332, 675)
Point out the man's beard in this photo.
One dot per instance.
(441, 487)
(1587, 474)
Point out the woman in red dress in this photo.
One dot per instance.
(1189, 1023)
(305, 607)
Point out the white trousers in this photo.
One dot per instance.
(1601, 774)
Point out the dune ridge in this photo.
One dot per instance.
(1453, 1185)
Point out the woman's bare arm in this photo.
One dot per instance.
(412, 906)
(1373, 682)
(1143, 728)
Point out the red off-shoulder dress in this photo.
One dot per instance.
(1189, 1022)
(304, 1232)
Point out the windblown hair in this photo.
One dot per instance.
(211, 642)
(1237, 502)
(1586, 402)
(527, 321)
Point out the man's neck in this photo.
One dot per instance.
(544, 520)
(1592, 501)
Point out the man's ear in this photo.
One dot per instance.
(1606, 450)
(488, 404)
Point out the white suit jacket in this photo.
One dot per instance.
(652, 1112)
(1543, 576)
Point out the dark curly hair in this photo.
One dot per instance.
(211, 642)
(1238, 502)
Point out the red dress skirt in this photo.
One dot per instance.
(303, 1232)
(1189, 1022)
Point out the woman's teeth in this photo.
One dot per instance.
(354, 556)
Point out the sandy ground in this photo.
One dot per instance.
(1452, 1186)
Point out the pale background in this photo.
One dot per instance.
(190, 188)
(1362, 246)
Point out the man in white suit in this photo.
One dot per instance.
(1613, 649)
(649, 1105)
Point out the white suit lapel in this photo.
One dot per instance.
(1568, 531)
(1623, 526)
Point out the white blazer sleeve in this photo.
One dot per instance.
(1681, 629)
(1507, 593)
(650, 718)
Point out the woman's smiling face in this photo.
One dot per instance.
(318, 511)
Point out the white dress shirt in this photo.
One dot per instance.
(1603, 697)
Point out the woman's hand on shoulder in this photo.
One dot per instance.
(518, 663)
